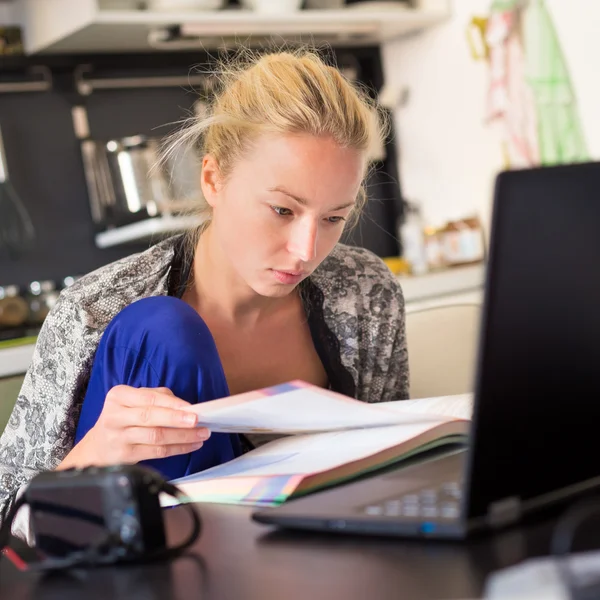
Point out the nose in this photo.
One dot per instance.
(303, 240)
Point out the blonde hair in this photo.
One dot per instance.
(286, 92)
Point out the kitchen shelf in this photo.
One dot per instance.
(15, 360)
(156, 227)
(79, 26)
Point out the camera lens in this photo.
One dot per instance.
(124, 486)
(129, 529)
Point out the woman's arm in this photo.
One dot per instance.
(397, 382)
(396, 376)
(40, 431)
(134, 423)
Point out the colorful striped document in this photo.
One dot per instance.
(327, 439)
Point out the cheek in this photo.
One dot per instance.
(328, 238)
(333, 233)
(247, 229)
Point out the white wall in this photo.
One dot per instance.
(578, 25)
(6, 14)
(448, 155)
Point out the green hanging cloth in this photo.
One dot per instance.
(560, 136)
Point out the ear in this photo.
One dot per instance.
(210, 179)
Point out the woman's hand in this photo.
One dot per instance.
(138, 424)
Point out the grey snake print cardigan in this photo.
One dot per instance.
(355, 310)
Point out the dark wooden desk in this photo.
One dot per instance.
(236, 559)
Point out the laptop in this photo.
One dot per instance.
(535, 433)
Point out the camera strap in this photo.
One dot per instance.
(98, 553)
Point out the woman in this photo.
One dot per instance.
(262, 293)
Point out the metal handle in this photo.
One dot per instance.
(88, 153)
(40, 85)
(165, 38)
(81, 125)
(3, 166)
(86, 86)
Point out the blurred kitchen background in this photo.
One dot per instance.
(88, 88)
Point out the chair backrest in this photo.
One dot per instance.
(9, 390)
(442, 346)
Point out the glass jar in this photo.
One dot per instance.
(451, 243)
(14, 310)
(434, 250)
(41, 298)
(68, 281)
(473, 240)
(412, 239)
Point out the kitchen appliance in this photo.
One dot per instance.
(129, 179)
(128, 162)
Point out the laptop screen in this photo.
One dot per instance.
(536, 425)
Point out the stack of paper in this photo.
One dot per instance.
(336, 439)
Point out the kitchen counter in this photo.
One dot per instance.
(457, 284)
(15, 360)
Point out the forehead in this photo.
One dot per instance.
(311, 165)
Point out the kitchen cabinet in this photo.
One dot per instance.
(9, 390)
(457, 285)
(15, 360)
(84, 26)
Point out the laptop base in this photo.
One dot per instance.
(422, 500)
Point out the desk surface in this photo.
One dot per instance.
(238, 559)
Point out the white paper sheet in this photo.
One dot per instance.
(305, 410)
(303, 454)
(459, 406)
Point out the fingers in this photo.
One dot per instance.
(149, 452)
(166, 436)
(136, 397)
(162, 390)
(152, 416)
(140, 424)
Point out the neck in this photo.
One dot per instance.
(219, 291)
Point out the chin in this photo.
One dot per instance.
(273, 291)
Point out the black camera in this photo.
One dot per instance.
(99, 515)
(73, 509)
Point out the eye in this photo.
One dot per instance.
(282, 212)
(334, 220)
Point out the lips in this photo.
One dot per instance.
(288, 277)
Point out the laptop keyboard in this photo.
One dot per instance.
(441, 502)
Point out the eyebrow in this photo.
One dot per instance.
(305, 202)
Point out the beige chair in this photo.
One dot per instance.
(9, 390)
(442, 347)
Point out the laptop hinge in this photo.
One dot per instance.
(505, 511)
